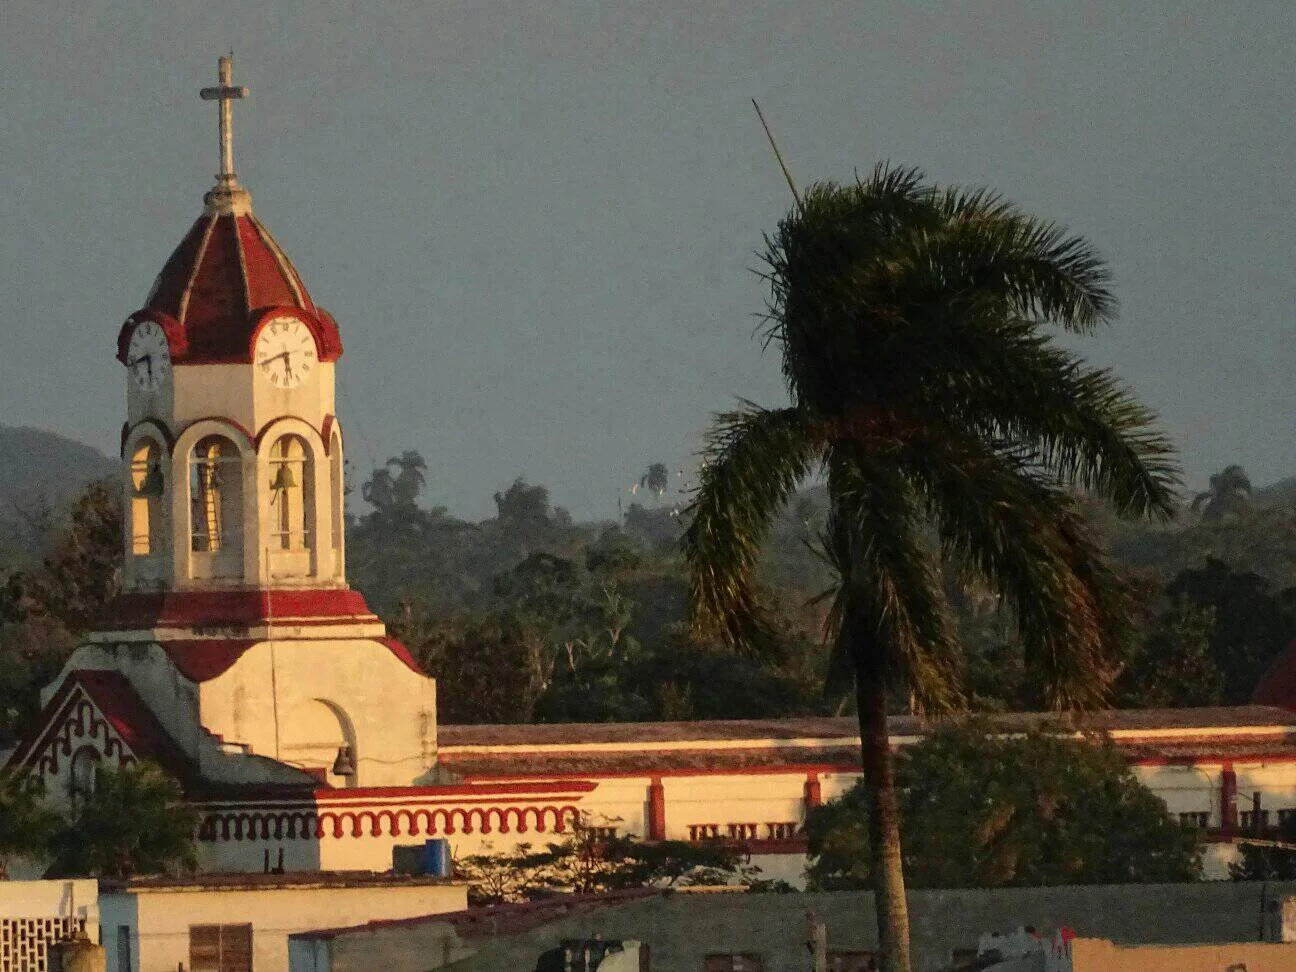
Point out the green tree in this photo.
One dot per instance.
(44, 610)
(395, 487)
(911, 322)
(1174, 666)
(1263, 863)
(32, 653)
(656, 478)
(592, 859)
(135, 821)
(986, 811)
(1229, 495)
(1251, 622)
(26, 824)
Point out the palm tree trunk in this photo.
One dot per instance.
(885, 867)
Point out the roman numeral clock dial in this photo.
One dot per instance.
(285, 352)
(148, 356)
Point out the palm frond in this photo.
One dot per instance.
(990, 245)
(890, 598)
(754, 460)
(1003, 380)
(1026, 539)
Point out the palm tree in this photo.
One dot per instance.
(1229, 494)
(951, 429)
(134, 821)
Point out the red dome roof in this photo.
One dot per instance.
(224, 279)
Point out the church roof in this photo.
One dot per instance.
(226, 277)
(122, 713)
(832, 743)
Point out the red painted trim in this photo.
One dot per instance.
(92, 704)
(584, 785)
(401, 652)
(44, 726)
(656, 810)
(326, 432)
(312, 322)
(225, 609)
(305, 824)
(1228, 800)
(813, 791)
(1214, 762)
(203, 660)
(177, 342)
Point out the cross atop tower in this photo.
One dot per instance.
(226, 92)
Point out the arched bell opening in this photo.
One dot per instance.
(290, 526)
(146, 505)
(215, 483)
(320, 738)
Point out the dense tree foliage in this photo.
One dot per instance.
(26, 824)
(593, 859)
(134, 821)
(531, 616)
(46, 607)
(594, 627)
(1265, 862)
(981, 810)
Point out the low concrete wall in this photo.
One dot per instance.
(1097, 956)
(682, 928)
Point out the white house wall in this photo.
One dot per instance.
(160, 919)
(391, 707)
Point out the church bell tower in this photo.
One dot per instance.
(236, 626)
(232, 444)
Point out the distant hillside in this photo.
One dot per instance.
(36, 464)
(1282, 492)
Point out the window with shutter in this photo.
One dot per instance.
(220, 948)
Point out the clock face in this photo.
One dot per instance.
(148, 357)
(285, 352)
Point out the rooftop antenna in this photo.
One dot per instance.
(778, 156)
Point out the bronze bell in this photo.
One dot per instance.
(152, 484)
(344, 764)
(284, 478)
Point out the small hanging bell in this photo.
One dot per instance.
(344, 764)
(284, 478)
(152, 484)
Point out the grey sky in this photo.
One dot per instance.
(533, 221)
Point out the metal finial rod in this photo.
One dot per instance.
(226, 92)
(778, 156)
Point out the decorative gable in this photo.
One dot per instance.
(94, 719)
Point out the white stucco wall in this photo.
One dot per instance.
(52, 899)
(159, 920)
(272, 698)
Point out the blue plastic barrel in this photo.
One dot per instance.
(436, 857)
